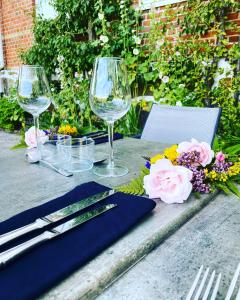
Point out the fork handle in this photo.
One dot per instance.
(11, 253)
(11, 235)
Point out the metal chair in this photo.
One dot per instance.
(174, 124)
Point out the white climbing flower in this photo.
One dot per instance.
(100, 16)
(60, 58)
(178, 103)
(159, 43)
(204, 63)
(135, 51)
(137, 40)
(165, 79)
(58, 71)
(160, 75)
(104, 39)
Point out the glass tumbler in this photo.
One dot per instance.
(82, 154)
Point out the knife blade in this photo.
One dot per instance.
(11, 253)
(55, 216)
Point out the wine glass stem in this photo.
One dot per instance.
(110, 139)
(36, 126)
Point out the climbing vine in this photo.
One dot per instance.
(180, 61)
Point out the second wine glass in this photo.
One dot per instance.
(110, 99)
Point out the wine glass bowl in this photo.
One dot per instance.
(33, 90)
(34, 95)
(110, 99)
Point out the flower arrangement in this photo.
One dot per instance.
(190, 167)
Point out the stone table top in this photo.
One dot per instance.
(24, 185)
(211, 238)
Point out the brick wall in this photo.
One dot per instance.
(16, 28)
(159, 11)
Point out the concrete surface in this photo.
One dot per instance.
(24, 185)
(211, 238)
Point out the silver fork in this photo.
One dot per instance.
(232, 285)
(198, 291)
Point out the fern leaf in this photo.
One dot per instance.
(135, 187)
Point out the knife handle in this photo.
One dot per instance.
(11, 235)
(10, 254)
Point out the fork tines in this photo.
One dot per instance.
(232, 285)
(205, 287)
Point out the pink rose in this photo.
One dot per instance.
(220, 156)
(170, 183)
(30, 138)
(206, 153)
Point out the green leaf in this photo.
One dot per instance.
(223, 188)
(135, 187)
(21, 145)
(232, 186)
(233, 149)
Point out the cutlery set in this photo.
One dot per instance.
(52, 218)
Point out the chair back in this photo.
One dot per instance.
(175, 124)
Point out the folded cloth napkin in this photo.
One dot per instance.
(45, 265)
(103, 138)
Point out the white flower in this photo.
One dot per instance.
(82, 106)
(204, 63)
(178, 103)
(58, 71)
(104, 39)
(100, 16)
(137, 40)
(165, 79)
(60, 58)
(160, 75)
(159, 43)
(177, 53)
(79, 76)
(135, 51)
(52, 89)
(181, 86)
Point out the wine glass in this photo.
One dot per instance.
(110, 99)
(34, 95)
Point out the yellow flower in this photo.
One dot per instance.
(234, 169)
(171, 153)
(155, 158)
(213, 175)
(67, 129)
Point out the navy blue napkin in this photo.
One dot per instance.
(38, 270)
(100, 140)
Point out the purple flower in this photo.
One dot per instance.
(148, 164)
(221, 166)
(191, 160)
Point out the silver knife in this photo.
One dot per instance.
(58, 170)
(8, 255)
(55, 216)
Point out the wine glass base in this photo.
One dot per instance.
(106, 171)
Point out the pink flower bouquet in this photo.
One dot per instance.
(190, 167)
